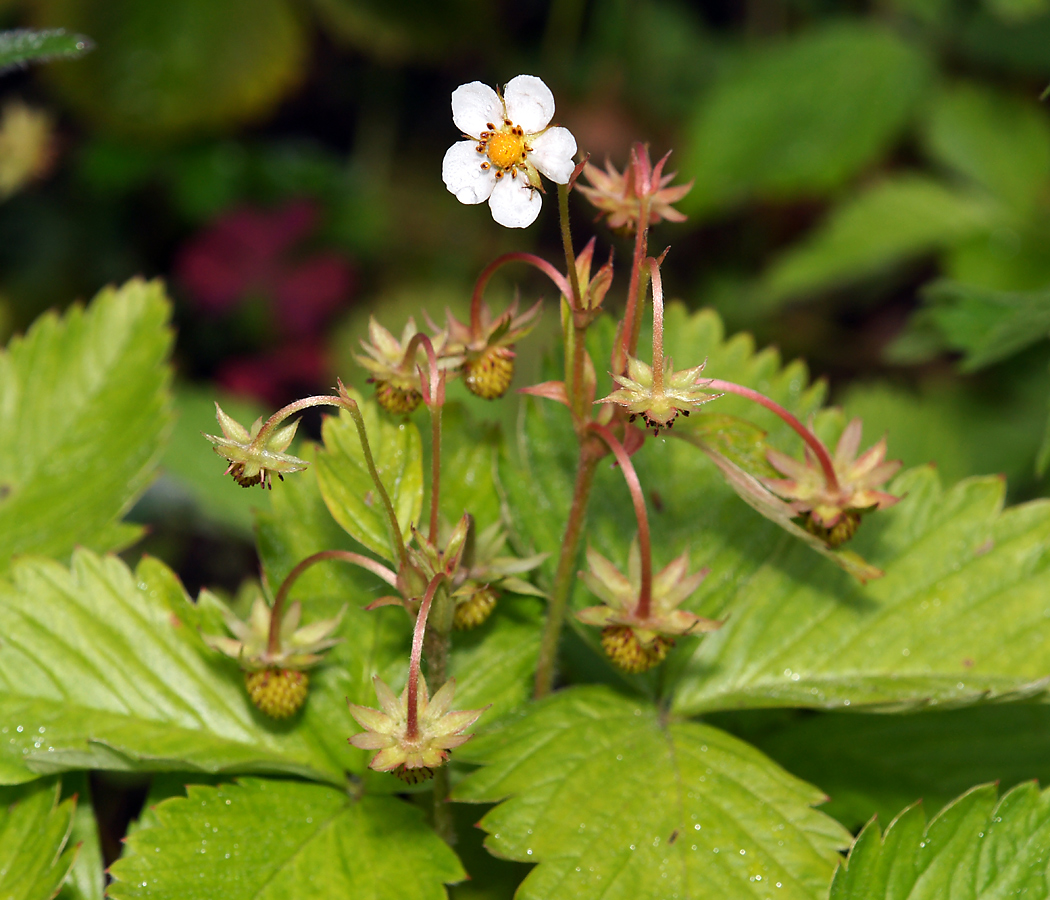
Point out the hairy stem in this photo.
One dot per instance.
(483, 279)
(812, 441)
(395, 529)
(590, 453)
(658, 325)
(277, 613)
(628, 343)
(566, 243)
(412, 723)
(640, 513)
(270, 425)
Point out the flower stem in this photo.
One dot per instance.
(658, 325)
(412, 723)
(270, 425)
(483, 279)
(628, 343)
(350, 405)
(640, 513)
(814, 443)
(566, 243)
(434, 397)
(277, 613)
(591, 451)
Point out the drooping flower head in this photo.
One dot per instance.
(275, 678)
(832, 512)
(484, 349)
(393, 366)
(510, 141)
(412, 758)
(618, 195)
(635, 641)
(659, 403)
(249, 461)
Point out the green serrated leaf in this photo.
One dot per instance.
(207, 65)
(974, 847)
(101, 668)
(613, 800)
(962, 581)
(25, 45)
(995, 138)
(270, 840)
(877, 764)
(988, 325)
(34, 833)
(886, 224)
(802, 116)
(347, 487)
(84, 408)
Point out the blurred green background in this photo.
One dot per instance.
(872, 193)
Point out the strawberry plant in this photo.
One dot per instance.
(676, 635)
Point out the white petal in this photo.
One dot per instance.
(552, 153)
(462, 173)
(513, 203)
(530, 103)
(474, 105)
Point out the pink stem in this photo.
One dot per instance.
(435, 400)
(559, 280)
(271, 423)
(626, 345)
(814, 443)
(638, 498)
(412, 725)
(277, 613)
(658, 325)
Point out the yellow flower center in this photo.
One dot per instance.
(506, 148)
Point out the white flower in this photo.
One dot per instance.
(510, 139)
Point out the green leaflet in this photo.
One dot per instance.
(102, 668)
(272, 840)
(999, 140)
(974, 848)
(879, 764)
(802, 116)
(886, 224)
(25, 45)
(348, 489)
(211, 64)
(963, 580)
(84, 408)
(988, 325)
(34, 832)
(612, 800)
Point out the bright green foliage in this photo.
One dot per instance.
(963, 580)
(615, 801)
(209, 64)
(889, 223)
(101, 668)
(988, 326)
(34, 833)
(26, 45)
(87, 879)
(999, 141)
(974, 848)
(802, 117)
(348, 488)
(273, 840)
(83, 412)
(879, 764)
